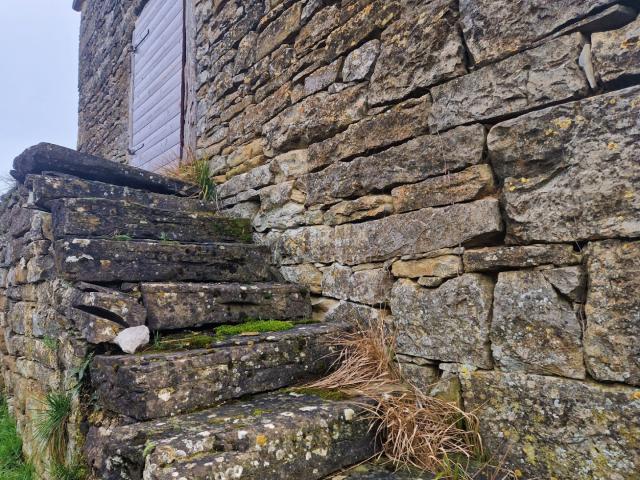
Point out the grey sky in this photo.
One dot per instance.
(38, 75)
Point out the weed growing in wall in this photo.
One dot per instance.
(51, 424)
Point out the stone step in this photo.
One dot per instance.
(376, 471)
(46, 188)
(154, 385)
(47, 157)
(172, 306)
(276, 436)
(101, 260)
(96, 217)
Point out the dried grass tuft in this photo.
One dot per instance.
(196, 171)
(414, 430)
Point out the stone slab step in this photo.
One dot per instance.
(96, 217)
(48, 157)
(101, 260)
(155, 385)
(172, 306)
(277, 436)
(376, 471)
(46, 188)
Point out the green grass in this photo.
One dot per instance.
(51, 424)
(12, 465)
(75, 471)
(253, 326)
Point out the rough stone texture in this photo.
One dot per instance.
(174, 306)
(496, 29)
(498, 258)
(450, 323)
(364, 208)
(171, 383)
(528, 314)
(421, 231)
(417, 159)
(395, 125)
(611, 338)
(469, 184)
(616, 56)
(569, 281)
(443, 267)
(132, 339)
(570, 171)
(359, 63)
(315, 437)
(307, 275)
(557, 427)
(111, 218)
(367, 285)
(419, 50)
(534, 78)
(374, 471)
(96, 260)
(47, 157)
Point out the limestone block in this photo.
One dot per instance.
(421, 49)
(304, 244)
(359, 63)
(445, 266)
(494, 29)
(399, 123)
(370, 286)
(131, 339)
(355, 313)
(571, 171)
(364, 208)
(569, 281)
(318, 80)
(534, 330)
(418, 159)
(421, 231)
(556, 427)
(612, 335)
(474, 182)
(306, 274)
(315, 118)
(449, 323)
(616, 56)
(534, 78)
(279, 30)
(520, 256)
(256, 178)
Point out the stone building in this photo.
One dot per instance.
(467, 170)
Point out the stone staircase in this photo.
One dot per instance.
(140, 250)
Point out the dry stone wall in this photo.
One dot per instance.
(467, 170)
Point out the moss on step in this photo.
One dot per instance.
(179, 341)
(253, 326)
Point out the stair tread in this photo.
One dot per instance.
(103, 260)
(173, 306)
(48, 157)
(276, 436)
(377, 471)
(159, 384)
(98, 217)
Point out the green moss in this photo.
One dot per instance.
(239, 228)
(182, 341)
(51, 343)
(122, 238)
(258, 412)
(257, 326)
(12, 465)
(325, 394)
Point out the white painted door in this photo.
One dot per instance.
(156, 118)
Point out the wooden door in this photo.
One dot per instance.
(157, 86)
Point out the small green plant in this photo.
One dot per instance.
(80, 373)
(51, 343)
(122, 237)
(196, 171)
(148, 449)
(51, 424)
(12, 464)
(74, 471)
(254, 326)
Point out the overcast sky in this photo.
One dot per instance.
(38, 75)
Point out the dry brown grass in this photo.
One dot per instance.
(193, 170)
(414, 429)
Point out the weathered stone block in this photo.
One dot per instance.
(303, 245)
(283, 27)
(306, 274)
(445, 266)
(616, 56)
(569, 281)
(397, 124)
(315, 118)
(369, 285)
(421, 231)
(495, 29)
(474, 182)
(359, 63)
(612, 335)
(255, 178)
(450, 323)
(531, 79)
(418, 159)
(556, 427)
(173, 306)
(98, 260)
(533, 329)
(571, 171)
(421, 49)
(363, 208)
(500, 258)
